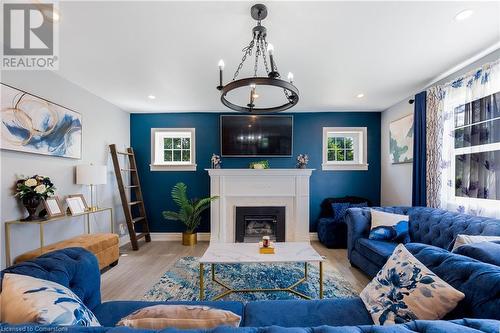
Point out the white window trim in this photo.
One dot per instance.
(179, 166)
(362, 165)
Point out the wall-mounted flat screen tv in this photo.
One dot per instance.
(259, 135)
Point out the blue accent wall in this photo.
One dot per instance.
(307, 138)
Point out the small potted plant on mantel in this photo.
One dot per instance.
(189, 212)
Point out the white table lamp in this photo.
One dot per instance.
(91, 175)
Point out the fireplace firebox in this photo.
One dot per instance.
(252, 223)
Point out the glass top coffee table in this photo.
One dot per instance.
(248, 253)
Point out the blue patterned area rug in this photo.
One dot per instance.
(181, 282)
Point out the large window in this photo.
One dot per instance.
(344, 148)
(173, 149)
(477, 148)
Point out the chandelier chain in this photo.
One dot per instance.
(248, 51)
(264, 55)
(257, 54)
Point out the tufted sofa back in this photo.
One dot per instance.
(440, 227)
(74, 268)
(480, 282)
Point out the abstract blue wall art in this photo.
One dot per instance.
(34, 125)
(401, 140)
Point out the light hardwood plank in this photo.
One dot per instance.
(138, 271)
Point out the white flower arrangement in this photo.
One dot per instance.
(36, 186)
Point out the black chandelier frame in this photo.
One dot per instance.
(259, 42)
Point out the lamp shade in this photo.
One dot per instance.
(88, 174)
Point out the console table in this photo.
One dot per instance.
(42, 222)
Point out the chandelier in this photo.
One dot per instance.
(261, 49)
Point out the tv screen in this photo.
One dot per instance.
(260, 135)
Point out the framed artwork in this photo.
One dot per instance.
(82, 197)
(32, 124)
(401, 140)
(76, 205)
(53, 207)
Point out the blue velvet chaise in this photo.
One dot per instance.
(428, 226)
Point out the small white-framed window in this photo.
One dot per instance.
(345, 148)
(173, 149)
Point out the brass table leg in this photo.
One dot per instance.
(320, 280)
(7, 244)
(202, 296)
(41, 238)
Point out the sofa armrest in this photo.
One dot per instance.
(358, 222)
(73, 267)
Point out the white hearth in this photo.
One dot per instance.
(288, 188)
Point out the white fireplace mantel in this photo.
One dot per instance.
(287, 188)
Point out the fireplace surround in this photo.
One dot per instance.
(286, 188)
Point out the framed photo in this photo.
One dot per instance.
(32, 124)
(53, 207)
(401, 140)
(75, 205)
(82, 197)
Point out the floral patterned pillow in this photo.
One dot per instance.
(405, 290)
(26, 299)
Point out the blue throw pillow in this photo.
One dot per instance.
(339, 210)
(389, 227)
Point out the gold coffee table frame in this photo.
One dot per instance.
(229, 290)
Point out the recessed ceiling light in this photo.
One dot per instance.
(360, 95)
(463, 15)
(151, 96)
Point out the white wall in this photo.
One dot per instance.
(395, 178)
(103, 124)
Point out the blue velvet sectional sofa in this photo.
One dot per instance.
(428, 226)
(78, 270)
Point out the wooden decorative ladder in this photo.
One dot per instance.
(138, 202)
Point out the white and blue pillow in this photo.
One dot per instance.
(26, 299)
(389, 227)
(405, 290)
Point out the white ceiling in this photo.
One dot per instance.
(124, 51)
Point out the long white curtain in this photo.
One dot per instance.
(446, 107)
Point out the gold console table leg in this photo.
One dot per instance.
(202, 292)
(320, 280)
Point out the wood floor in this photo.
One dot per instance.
(138, 271)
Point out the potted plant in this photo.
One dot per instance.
(32, 191)
(189, 212)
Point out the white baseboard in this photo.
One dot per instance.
(177, 236)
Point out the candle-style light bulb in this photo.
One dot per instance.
(290, 77)
(270, 49)
(253, 95)
(221, 69)
(221, 65)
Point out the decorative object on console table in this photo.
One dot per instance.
(91, 175)
(401, 140)
(76, 205)
(302, 160)
(259, 165)
(32, 124)
(32, 191)
(53, 207)
(81, 197)
(189, 212)
(216, 161)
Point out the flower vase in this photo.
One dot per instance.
(302, 166)
(31, 204)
